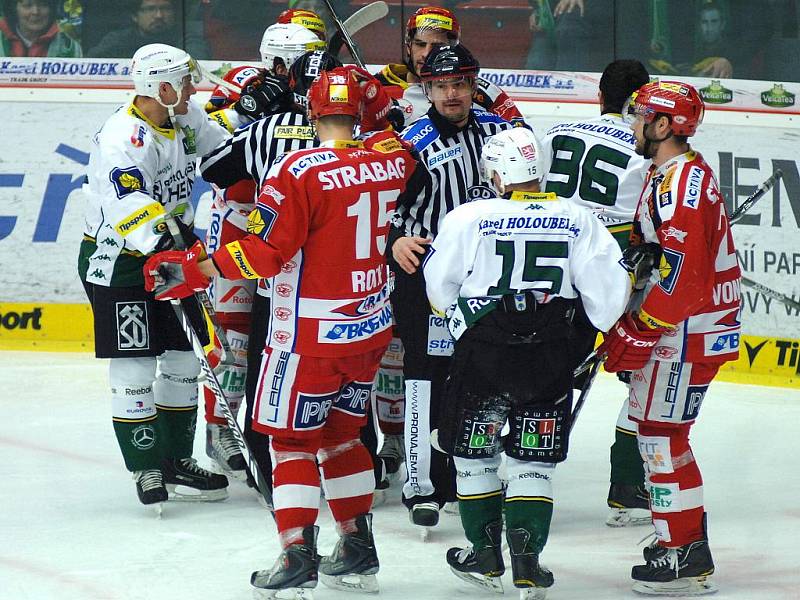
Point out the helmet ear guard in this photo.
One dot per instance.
(515, 155)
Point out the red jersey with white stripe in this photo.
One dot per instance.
(696, 290)
(320, 230)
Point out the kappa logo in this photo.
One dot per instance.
(673, 232)
(665, 352)
(288, 266)
(143, 437)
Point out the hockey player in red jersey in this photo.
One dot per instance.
(429, 28)
(686, 328)
(319, 229)
(259, 92)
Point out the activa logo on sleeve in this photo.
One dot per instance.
(305, 162)
(691, 197)
(22, 320)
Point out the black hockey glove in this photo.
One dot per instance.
(263, 98)
(639, 261)
(396, 117)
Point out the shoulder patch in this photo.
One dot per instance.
(307, 160)
(137, 137)
(421, 134)
(387, 146)
(261, 221)
(126, 181)
(299, 132)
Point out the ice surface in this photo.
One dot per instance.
(71, 527)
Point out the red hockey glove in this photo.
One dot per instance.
(175, 273)
(626, 346)
(376, 103)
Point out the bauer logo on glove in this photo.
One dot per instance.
(176, 273)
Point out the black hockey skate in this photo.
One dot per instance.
(629, 504)
(188, 481)
(532, 578)
(222, 448)
(682, 571)
(483, 567)
(426, 515)
(295, 572)
(352, 565)
(150, 488)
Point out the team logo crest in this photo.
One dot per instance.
(126, 181)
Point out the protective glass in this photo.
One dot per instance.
(633, 109)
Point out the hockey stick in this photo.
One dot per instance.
(222, 401)
(782, 298)
(591, 364)
(755, 196)
(366, 15)
(348, 40)
(202, 297)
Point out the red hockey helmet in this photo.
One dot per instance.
(434, 18)
(679, 101)
(222, 97)
(306, 18)
(335, 92)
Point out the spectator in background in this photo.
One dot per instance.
(30, 28)
(153, 21)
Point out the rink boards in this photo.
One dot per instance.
(43, 307)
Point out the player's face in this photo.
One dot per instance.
(638, 134)
(168, 95)
(452, 97)
(711, 25)
(34, 17)
(423, 43)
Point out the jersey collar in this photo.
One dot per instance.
(342, 144)
(532, 196)
(167, 132)
(395, 74)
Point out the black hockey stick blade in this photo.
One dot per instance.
(355, 52)
(755, 196)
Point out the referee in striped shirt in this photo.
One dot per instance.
(449, 141)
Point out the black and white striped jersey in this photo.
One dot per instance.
(451, 177)
(253, 149)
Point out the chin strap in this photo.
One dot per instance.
(651, 144)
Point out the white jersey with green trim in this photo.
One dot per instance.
(533, 241)
(137, 173)
(594, 164)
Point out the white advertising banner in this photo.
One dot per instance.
(45, 149)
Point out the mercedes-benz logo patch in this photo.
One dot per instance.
(248, 103)
(144, 437)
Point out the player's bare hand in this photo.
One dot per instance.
(406, 250)
(721, 67)
(567, 6)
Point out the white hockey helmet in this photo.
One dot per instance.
(515, 155)
(153, 64)
(287, 42)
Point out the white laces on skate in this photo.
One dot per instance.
(228, 446)
(149, 480)
(463, 555)
(668, 559)
(190, 464)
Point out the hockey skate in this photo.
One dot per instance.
(530, 577)
(682, 571)
(481, 568)
(188, 481)
(295, 572)
(223, 449)
(426, 515)
(629, 504)
(352, 565)
(392, 453)
(150, 489)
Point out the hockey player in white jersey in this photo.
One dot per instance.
(593, 163)
(141, 170)
(508, 272)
